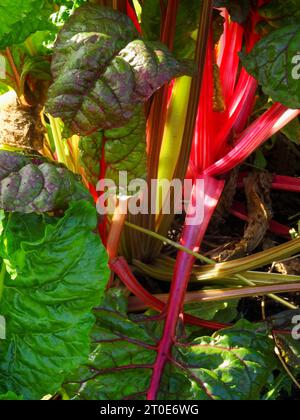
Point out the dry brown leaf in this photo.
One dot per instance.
(257, 190)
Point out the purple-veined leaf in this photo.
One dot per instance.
(102, 70)
(206, 368)
(124, 149)
(31, 184)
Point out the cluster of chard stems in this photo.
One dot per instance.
(189, 135)
(185, 129)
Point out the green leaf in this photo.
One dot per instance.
(238, 9)
(235, 364)
(56, 274)
(278, 14)
(292, 131)
(33, 184)
(67, 8)
(21, 18)
(90, 155)
(114, 351)
(278, 384)
(274, 61)
(10, 396)
(124, 148)
(225, 311)
(288, 344)
(3, 88)
(260, 162)
(102, 71)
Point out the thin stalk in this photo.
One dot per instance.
(219, 295)
(75, 153)
(14, 70)
(251, 262)
(278, 386)
(115, 233)
(163, 239)
(270, 295)
(162, 271)
(196, 255)
(260, 278)
(116, 228)
(122, 270)
(191, 238)
(2, 278)
(59, 145)
(286, 183)
(280, 182)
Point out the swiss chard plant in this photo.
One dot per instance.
(121, 305)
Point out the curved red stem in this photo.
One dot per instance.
(191, 238)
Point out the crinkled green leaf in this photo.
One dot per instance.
(56, 274)
(273, 61)
(125, 150)
(90, 155)
(238, 9)
(33, 184)
(235, 364)
(102, 71)
(278, 14)
(21, 18)
(186, 25)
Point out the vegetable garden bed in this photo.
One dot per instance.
(149, 200)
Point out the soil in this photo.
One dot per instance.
(20, 127)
